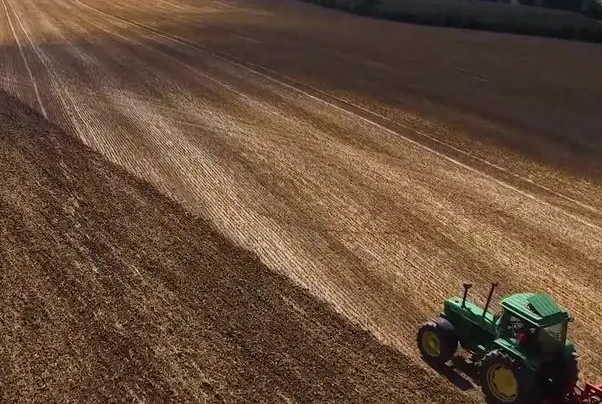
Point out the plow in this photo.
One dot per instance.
(521, 355)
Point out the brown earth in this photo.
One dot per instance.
(111, 292)
(376, 164)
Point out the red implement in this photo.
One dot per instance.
(591, 394)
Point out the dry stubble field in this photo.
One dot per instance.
(375, 165)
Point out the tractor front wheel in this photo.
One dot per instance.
(504, 380)
(437, 341)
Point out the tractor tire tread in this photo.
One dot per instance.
(526, 379)
(447, 336)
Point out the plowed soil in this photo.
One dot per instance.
(375, 165)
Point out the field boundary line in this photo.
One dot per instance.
(33, 80)
(269, 75)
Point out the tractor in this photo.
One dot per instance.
(522, 355)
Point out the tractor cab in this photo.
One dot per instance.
(534, 327)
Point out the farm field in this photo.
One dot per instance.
(261, 201)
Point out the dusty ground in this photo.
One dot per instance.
(111, 292)
(378, 165)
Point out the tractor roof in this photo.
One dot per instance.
(540, 309)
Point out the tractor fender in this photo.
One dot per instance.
(511, 349)
(444, 323)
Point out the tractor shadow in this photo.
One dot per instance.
(460, 372)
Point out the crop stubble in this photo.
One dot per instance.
(375, 225)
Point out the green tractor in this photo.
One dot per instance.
(522, 354)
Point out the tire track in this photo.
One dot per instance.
(33, 80)
(54, 78)
(76, 118)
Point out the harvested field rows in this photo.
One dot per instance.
(380, 200)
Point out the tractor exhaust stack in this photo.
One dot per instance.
(466, 287)
(493, 286)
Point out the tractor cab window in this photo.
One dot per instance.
(511, 326)
(552, 338)
(520, 331)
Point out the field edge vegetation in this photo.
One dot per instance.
(480, 15)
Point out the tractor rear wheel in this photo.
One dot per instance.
(437, 341)
(504, 380)
(563, 378)
(571, 372)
